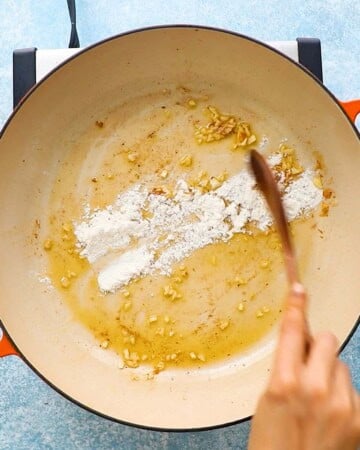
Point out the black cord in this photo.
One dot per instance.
(74, 38)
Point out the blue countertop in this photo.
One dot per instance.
(32, 415)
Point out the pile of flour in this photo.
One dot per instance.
(125, 243)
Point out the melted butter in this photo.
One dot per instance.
(205, 323)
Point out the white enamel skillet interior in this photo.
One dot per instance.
(36, 138)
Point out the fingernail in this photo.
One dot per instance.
(297, 289)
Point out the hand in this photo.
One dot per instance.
(310, 403)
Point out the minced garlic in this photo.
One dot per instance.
(105, 344)
(193, 355)
(171, 293)
(223, 324)
(221, 126)
(65, 282)
(48, 244)
(132, 157)
(153, 318)
(186, 161)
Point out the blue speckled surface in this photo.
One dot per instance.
(33, 416)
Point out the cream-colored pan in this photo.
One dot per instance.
(35, 141)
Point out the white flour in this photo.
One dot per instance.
(138, 244)
(122, 269)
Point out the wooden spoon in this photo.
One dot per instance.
(267, 184)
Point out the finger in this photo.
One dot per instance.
(339, 409)
(290, 351)
(321, 363)
(344, 398)
(356, 402)
(297, 297)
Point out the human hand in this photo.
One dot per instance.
(309, 403)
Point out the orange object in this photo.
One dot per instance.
(352, 108)
(6, 347)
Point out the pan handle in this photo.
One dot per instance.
(6, 347)
(352, 108)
